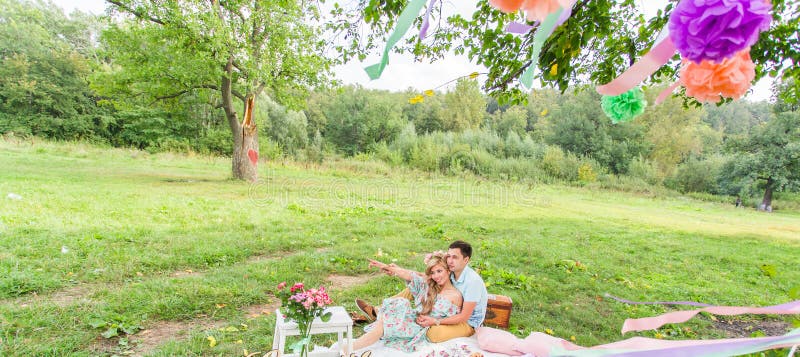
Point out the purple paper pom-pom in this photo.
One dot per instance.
(717, 29)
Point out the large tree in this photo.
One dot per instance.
(770, 156)
(600, 40)
(238, 50)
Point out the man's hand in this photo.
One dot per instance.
(425, 321)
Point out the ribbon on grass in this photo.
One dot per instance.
(546, 29)
(650, 323)
(403, 24)
(648, 347)
(423, 30)
(543, 345)
(626, 301)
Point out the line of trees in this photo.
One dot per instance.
(150, 78)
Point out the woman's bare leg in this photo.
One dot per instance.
(370, 337)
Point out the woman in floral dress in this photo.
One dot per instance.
(434, 295)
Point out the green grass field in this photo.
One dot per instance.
(167, 246)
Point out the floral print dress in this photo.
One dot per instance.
(400, 329)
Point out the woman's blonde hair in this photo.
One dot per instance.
(431, 260)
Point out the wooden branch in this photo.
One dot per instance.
(512, 76)
(184, 91)
(136, 13)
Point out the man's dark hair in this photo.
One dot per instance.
(466, 249)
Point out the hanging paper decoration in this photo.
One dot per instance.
(545, 30)
(624, 107)
(253, 155)
(423, 30)
(416, 99)
(403, 24)
(655, 58)
(717, 29)
(507, 6)
(551, 14)
(710, 81)
(535, 10)
(518, 28)
(419, 98)
(706, 33)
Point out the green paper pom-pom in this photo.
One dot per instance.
(624, 107)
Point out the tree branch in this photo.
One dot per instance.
(187, 90)
(509, 78)
(137, 13)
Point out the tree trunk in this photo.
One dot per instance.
(766, 203)
(245, 140)
(245, 135)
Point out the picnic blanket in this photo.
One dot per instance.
(457, 347)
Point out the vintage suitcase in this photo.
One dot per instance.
(498, 311)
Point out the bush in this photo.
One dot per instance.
(695, 176)
(172, 145)
(426, 155)
(215, 141)
(532, 149)
(645, 170)
(586, 173)
(268, 149)
(551, 161)
(459, 159)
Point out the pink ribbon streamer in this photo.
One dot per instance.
(542, 345)
(651, 62)
(667, 92)
(423, 30)
(650, 323)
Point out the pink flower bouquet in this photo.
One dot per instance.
(303, 306)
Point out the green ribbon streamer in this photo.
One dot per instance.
(546, 29)
(403, 24)
(299, 344)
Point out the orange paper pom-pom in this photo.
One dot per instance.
(507, 6)
(537, 10)
(709, 81)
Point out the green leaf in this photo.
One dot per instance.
(769, 270)
(794, 292)
(130, 330)
(111, 332)
(326, 316)
(97, 323)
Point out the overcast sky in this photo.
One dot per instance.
(402, 72)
